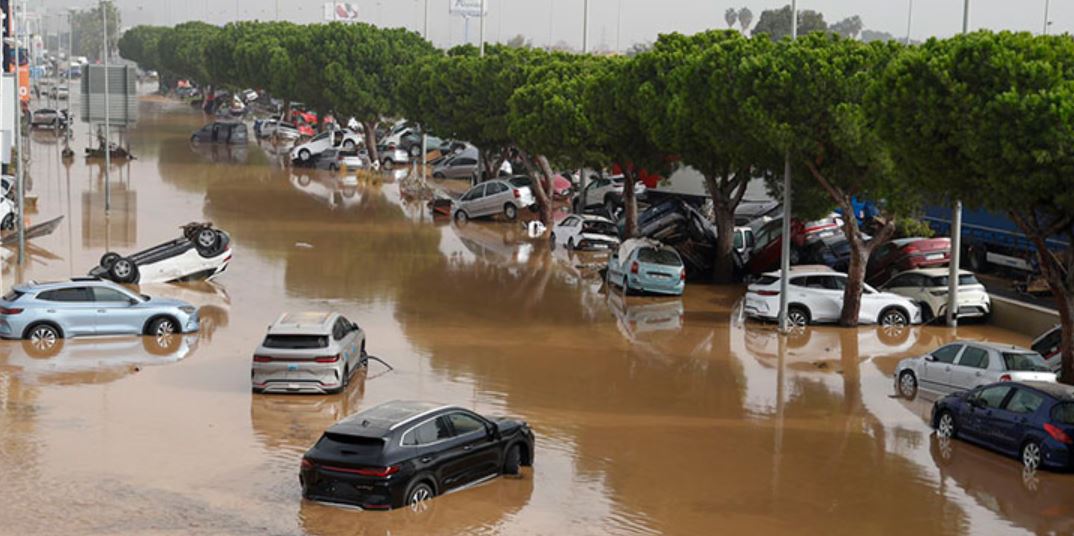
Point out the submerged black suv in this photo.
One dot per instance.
(401, 453)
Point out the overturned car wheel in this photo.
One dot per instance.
(108, 259)
(123, 270)
(207, 242)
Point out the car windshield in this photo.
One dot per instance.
(295, 342)
(665, 257)
(1025, 361)
(963, 280)
(599, 227)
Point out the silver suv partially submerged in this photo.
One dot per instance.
(311, 353)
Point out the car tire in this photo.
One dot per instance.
(162, 345)
(893, 317)
(946, 425)
(8, 224)
(438, 175)
(304, 155)
(162, 326)
(415, 151)
(1032, 455)
(510, 212)
(208, 241)
(333, 167)
(108, 259)
(388, 164)
(418, 492)
(907, 385)
(349, 145)
(461, 217)
(798, 317)
(512, 461)
(45, 340)
(123, 271)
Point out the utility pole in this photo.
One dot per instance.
(785, 241)
(19, 161)
(909, 20)
(107, 117)
(956, 225)
(482, 14)
(619, 28)
(425, 30)
(1047, 5)
(585, 26)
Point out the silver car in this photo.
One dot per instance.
(311, 353)
(459, 166)
(963, 365)
(493, 197)
(47, 312)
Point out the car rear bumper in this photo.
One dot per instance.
(339, 488)
(289, 377)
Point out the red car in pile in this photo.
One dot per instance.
(768, 240)
(904, 254)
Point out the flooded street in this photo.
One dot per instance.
(652, 416)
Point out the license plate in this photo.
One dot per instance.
(825, 234)
(659, 275)
(934, 256)
(292, 367)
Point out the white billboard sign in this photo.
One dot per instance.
(340, 11)
(466, 8)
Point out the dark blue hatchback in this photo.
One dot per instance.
(1031, 420)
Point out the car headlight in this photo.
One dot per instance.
(188, 309)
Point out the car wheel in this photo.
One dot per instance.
(510, 212)
(44, 340)
(893, 320)
(108, 259)
(1032, 456)
(207, 242)
(388, 164)
(124, 271)
(349, 145)
(798, 317)
(418, 493)
(304, 155)
(304, 180)
(166, 344)
(333, 167)
(162, 327)
(8, 223)
(438, 175)
(415, 151)
(513, 461)
(907, 385)
(461, 216)
(946, 427)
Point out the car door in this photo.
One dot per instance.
(935, 371)
(565, 230)
(481, 456)
(495, 197)
(979, 420)
(971, 369)
(825, 297)
(73, 309)
(470, 201)
(1010, 421)
(117, 313)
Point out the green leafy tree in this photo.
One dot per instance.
(776, 23)
(849, 27)
(745, 18)
(809, 99)
(185, 50)
(86, 30)
(988, 118)
(731, 17)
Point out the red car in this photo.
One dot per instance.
(907, 254)
(768, 240)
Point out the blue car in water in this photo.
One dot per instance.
(1031, 420)
(645, 265)
(47, 312)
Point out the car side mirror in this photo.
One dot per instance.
(132, 301)
(930, 357)
(976, 402)
(490, 430)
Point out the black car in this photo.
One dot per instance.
(401, 453)
(221, 132)
(831, 251)
(1031, 420)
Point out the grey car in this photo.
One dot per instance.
(493, 197)
(46, 312)
(308, 353)
(459, 166)
(964, 365)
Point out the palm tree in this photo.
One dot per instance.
(731, 16)
(745, 18)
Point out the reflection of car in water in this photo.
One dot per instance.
(91, 360)
(336, 191)
(1042, 503)
(221, 132)
(495, 243)
(295, 422)
(643, 316)
(405, 453)
(211, 299)
(201, 253)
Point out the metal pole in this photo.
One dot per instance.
(107, 118)
(1047, 5)
(785, 241)
(482, 28)
(585, 26)
(619, 29)
(956, 226)
(19, 162)
(277, 9)
(425, 31)
(424, 155)
(909, 20)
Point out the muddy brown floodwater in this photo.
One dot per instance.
(653, 416)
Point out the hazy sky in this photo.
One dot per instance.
(550, 21)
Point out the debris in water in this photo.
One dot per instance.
(303, 245)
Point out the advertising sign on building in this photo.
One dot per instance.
(466, 8)
(341, 12)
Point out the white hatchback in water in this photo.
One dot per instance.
(313, 353)
(964, 365)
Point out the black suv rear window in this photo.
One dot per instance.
(350, 445)
(295, 342)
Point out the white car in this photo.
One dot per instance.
(344, 139)
(284, 130)
(607, 192)
(963, 365)
(202, 253)
(1047, 345)
(315, 353)
(816, 296)
(585, 232)
(928, 288)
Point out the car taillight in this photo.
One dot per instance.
(682, 275)
(518, 194)
(9, 311)
(262, 359)
(306, 464)
(768, 293)
(379, 472)
(1005, 378)
(1058, 434)
(634, 267)
(327, 359)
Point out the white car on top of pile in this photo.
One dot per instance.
(816, 296)
(343, 139)
(585, 232)
(202, 253)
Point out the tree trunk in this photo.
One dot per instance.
(726, 193)
(538, 167)
(370, 128)
(630, 204)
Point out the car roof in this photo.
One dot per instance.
(934, 272)
(311, 322)
(380, 420)
(1055, 390)
(593, 217)
(36, 286)
(808, 269)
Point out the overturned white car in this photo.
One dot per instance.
(201, 253)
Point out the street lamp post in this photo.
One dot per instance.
(585, 26)
(1047, 5)
(909, 20)
(956, 225)
(107, 117)
(785, 244)
(482, 32)
(19, 161)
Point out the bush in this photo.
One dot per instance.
(908, 227)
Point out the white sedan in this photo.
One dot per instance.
(928, 288)
(344, 139)
(816, 296)
(202, 253)
(585, 232)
